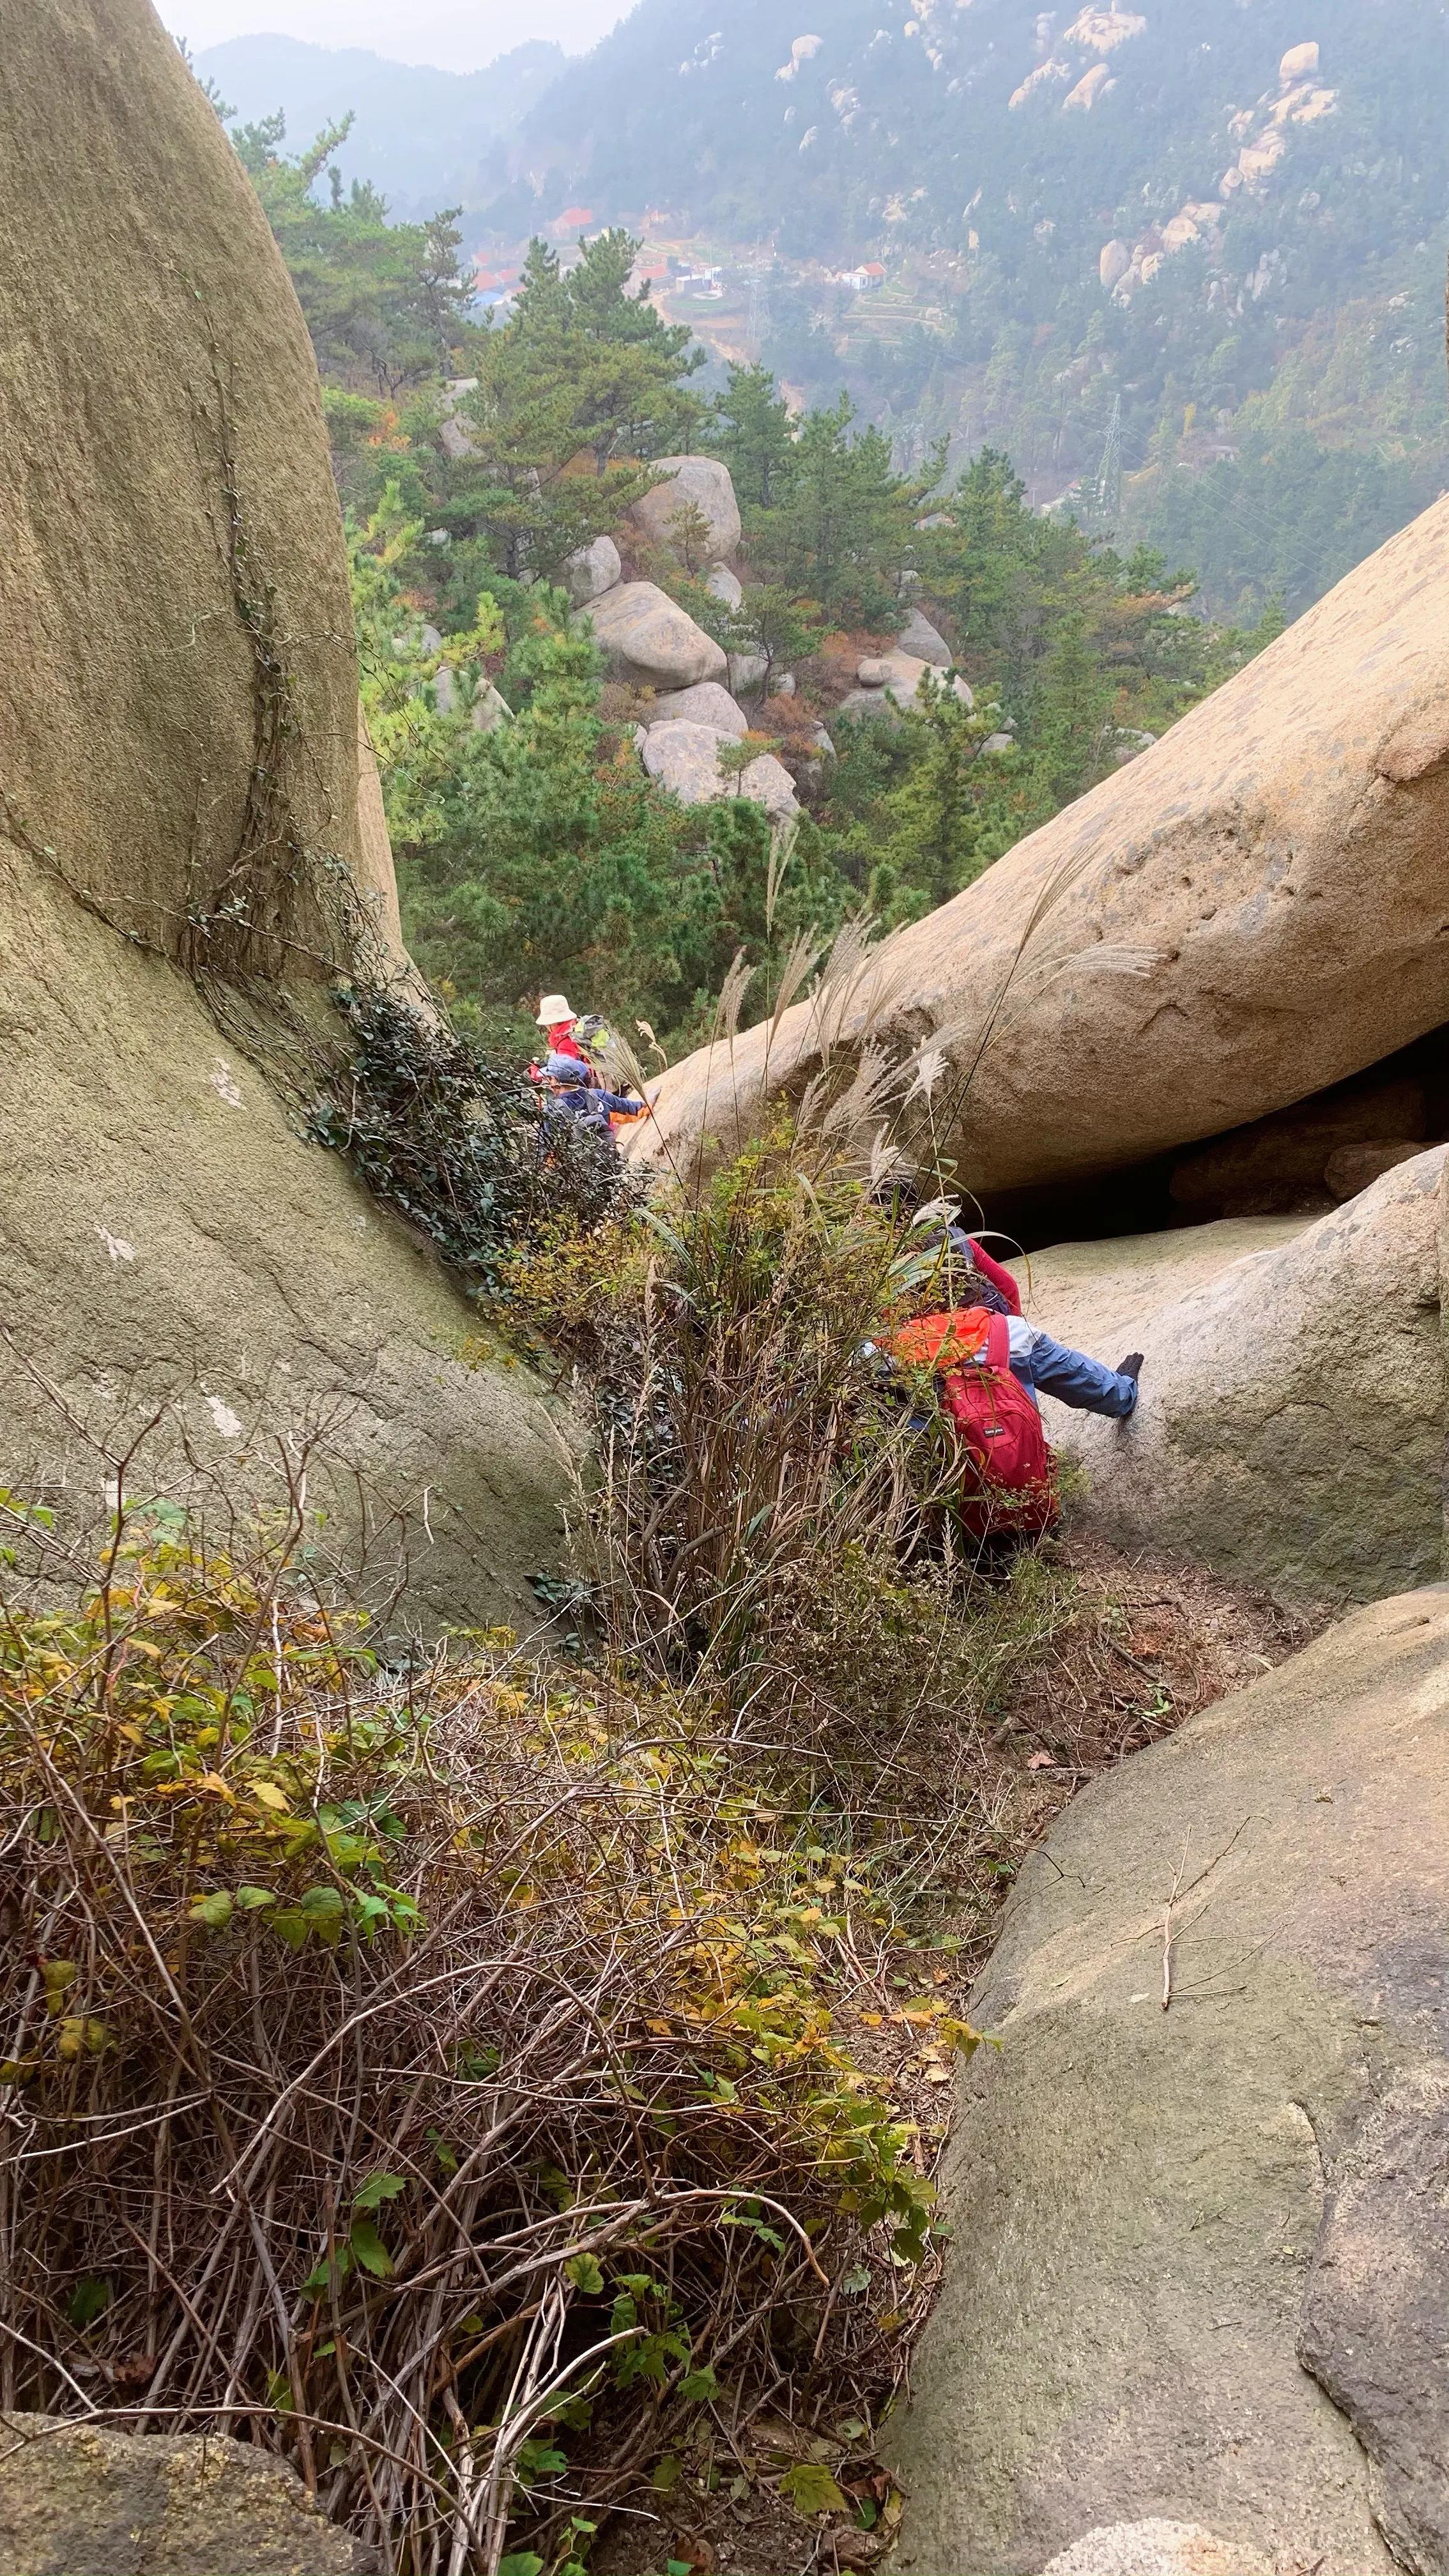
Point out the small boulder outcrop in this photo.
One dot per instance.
(1252, 910)
(925, 641)
(646, 637)
(769, 782)
(705, 704)
(453, 435)
(890, 681)
(875, 705)
(684, 758)
(699, 483)
(747, 674)
(591, 571)
(1292, 1421)
(1196, 2271)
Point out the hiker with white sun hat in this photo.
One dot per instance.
(558, 1019)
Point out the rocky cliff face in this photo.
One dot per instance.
(1198, 2252)
(181, 863)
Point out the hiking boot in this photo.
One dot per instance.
(1131, 1366)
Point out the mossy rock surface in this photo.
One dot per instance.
(89, 2500)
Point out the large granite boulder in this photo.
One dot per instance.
(1197, 2272)
(1291, 1426)
(170, 1239)
(646, 637)
(1254, 909)
(700, 483)
(79, 2499)
(192, 848)
(925, 641)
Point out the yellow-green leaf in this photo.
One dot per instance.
(811, 2488)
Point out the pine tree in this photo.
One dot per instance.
(385, 303)
(755, 438)
(1072, 731)
(584, 374)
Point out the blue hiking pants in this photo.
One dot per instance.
(1074, 1379)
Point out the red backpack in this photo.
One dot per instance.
(995, 1418)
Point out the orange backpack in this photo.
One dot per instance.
(996, 1420)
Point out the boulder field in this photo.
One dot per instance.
(1192, 2316)
(1291, 1430)
(1253, 909)
(190, 850)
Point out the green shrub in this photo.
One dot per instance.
(455, 1139)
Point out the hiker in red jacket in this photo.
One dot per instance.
(988, 1363)
(558, 1022)
(1036, 1360)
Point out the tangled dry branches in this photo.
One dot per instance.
(431, 2070)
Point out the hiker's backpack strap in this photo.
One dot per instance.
(998, 1344)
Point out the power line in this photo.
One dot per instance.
(758, 321)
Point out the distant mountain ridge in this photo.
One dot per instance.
(922, 120)
(1192, 256)
(1182, 263)
(426, 138)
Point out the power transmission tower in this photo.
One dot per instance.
(1106, 490)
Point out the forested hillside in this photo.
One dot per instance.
(532, 845)
(1075, 212)
(1186, 271)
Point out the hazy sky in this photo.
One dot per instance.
(458, 35)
